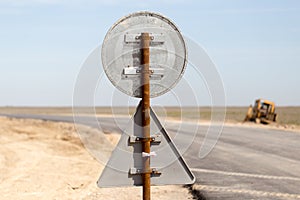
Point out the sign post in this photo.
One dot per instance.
(145, 60)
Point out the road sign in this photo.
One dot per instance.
(125, 165)
(121, 53)
(144, 55)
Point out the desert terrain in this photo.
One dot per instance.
(46, 160)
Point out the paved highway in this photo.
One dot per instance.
(246, 163)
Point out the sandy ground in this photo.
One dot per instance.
(46, 160)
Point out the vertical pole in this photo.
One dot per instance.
(145, 60)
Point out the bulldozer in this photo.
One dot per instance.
(263, 112)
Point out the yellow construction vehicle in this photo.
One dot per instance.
(263, 111)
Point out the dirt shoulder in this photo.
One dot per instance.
(46, 160)
(274, 126)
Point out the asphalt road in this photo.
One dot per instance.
(246, 163)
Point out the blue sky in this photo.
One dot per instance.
(254, 43)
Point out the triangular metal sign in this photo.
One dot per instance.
(125, 164)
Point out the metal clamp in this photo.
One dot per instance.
(154, 139)
(152, 171)
(155, 73)
(136, 39)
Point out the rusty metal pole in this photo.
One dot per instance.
(145, 60)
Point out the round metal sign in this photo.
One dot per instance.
(121, 55)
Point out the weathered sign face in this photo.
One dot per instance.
(122, 58)
(121, 53)
(126, 161)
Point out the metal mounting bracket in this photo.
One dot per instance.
(135, 171)
(154, 139)
(156, 73)
(136, 38)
